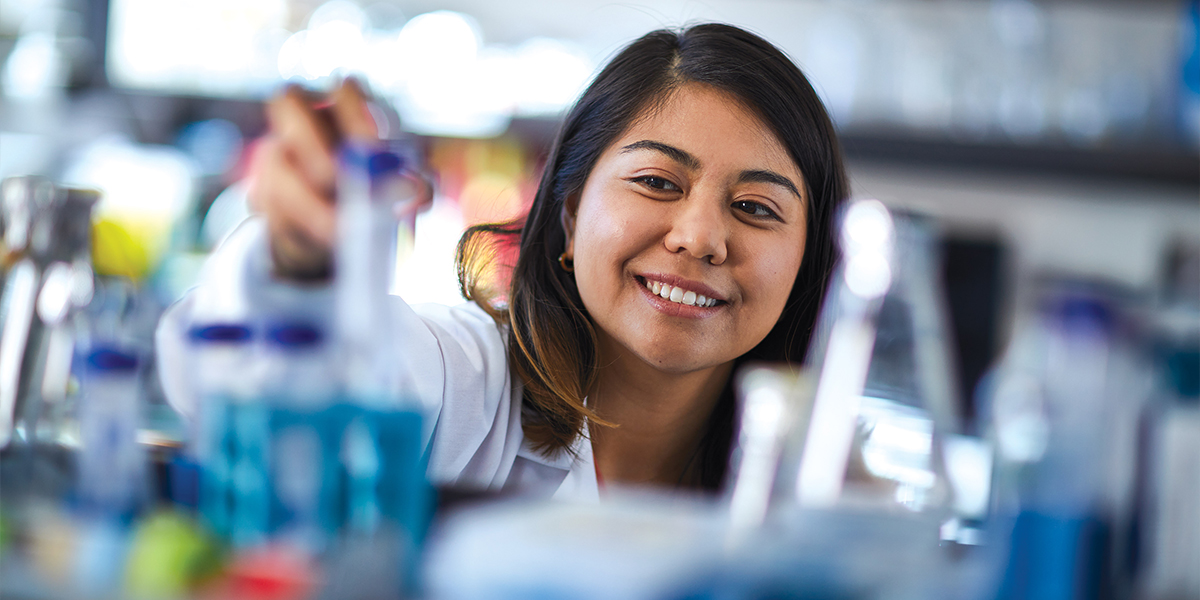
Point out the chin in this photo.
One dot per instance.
(679, 365)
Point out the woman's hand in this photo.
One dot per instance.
(293, 174)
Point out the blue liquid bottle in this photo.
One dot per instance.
(377, 424)
(112, 466)
(232, 438)
(299, 387)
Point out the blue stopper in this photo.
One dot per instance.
(222, 332)
(295, 335)
(111, 359)
(384, 163)
(375, 159)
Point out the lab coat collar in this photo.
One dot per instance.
(579, 481)
(581, 451)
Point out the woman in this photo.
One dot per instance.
(682, 227)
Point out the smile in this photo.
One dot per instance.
(678, 295)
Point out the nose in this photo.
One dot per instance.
(699, 228)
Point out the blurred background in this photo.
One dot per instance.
(1044, 136)
(1052, 145)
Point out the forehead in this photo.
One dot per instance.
(712, 123)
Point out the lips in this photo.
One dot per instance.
(679, 294)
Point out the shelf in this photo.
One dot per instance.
(1150, 163)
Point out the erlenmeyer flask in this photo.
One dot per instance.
(884, 393)
(839, 485)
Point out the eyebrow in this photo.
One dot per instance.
(691, 162)
(675, 154)
(769, 177)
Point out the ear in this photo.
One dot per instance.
(567, 219)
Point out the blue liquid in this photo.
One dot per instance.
(271, 472)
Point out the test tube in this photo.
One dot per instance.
(112, 465)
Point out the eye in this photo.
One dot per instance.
(756, 210)
(657, 183)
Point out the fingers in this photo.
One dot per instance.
(301, 221)
(297, 257)
(423, 191)
(351, 112)
(294, 173)
(306, 136)
(282, 193)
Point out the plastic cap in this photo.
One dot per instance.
(1085, 310)
(375, 160)
(223, 332)
(111, 359)
(295, 335)
(382, 163)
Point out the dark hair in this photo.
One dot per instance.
(552, 346)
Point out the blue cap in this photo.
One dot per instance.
(376, 159)
(108, 358)
(383, 163)
(220, 332)
(1081, 309)
(295, 335)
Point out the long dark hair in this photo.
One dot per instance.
(552, 346)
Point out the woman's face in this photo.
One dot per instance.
(688, 234)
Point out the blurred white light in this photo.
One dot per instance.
(383, 64)
(867, 225)
(439, 40)
(447, 88)
(291, 56)
(899, 450)
(867, 232)
(148, 185)
(969, 467)
(205, 46)
(1022, 428)
(868, 274)
(429, 274)
(769, 404)
(385, 16)
(339, 11)
(333, 46)
(496, 78)
(336, 41)
(34, 68)
(549, 75)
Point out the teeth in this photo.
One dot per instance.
(675, 294)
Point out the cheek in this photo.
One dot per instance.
(596, 245)
(777, 275)
(607, 226)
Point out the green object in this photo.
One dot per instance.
(5, 533)
(169, 555)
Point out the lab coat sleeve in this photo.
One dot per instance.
(454, 356)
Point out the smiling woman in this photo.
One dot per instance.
(698, 165)
(682, 227)
(687, 219)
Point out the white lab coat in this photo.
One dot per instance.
(457, 353)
